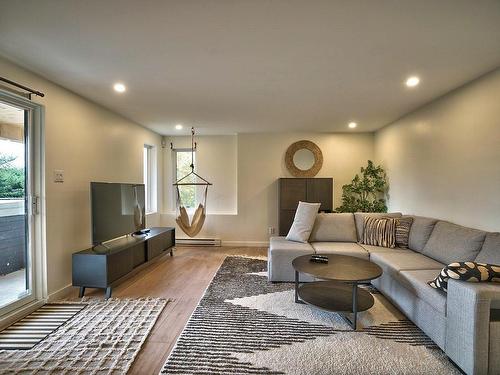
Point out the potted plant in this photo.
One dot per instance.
(367, 191)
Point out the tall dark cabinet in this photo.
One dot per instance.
(293, 190)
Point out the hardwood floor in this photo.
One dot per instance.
(183, 278)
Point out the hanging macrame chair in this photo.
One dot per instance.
(194, 227)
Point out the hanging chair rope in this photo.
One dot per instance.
(193, 227)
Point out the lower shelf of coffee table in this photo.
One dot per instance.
(334, 296)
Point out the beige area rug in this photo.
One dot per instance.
(104, 338)
(247, 325)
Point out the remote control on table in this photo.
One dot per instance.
(319, 259)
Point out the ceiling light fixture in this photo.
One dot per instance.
(412, 81)
(119, 87)
(352, 125)
(178, 126)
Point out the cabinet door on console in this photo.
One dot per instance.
(320, 190)
(159, 243)
(285, 221)
(292, 190)
(119, 264)
(139, 255)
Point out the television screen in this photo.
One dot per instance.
(117, 210)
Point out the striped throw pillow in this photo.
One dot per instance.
(403, 226)
(379, 231)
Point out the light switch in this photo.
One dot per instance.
(58, 175)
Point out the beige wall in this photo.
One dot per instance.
(216, 160)
(89, 143)
(260, 162)
(443, 160)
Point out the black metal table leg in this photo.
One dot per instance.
(353, 322)
(354, 305)
(296, 286)
(297, 299)
(108, 292)
(81, 292)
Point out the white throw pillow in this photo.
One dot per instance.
(303, 222)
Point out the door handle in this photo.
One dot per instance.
(35, 208)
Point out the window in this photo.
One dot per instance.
(149, 178)
(182, 160)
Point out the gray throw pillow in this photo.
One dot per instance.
(303, 222)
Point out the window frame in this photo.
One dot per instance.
(175, 151)
(149, 178)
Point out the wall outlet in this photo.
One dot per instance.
(58, 175)
(271, 230)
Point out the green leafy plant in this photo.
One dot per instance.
(11, 178)
(366, 192)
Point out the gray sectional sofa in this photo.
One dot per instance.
(465, 322)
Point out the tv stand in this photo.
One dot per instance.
(104, 268)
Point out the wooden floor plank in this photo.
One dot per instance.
(183, 278)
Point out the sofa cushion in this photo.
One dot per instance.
(280, 256)
(453, 243)
(490, 252)
(340, 248)
(359, 218)
(303, 221)
(420, 232)
(337, 227)
(380, 249)
(416, 282)
(281, 243)
(392, 262)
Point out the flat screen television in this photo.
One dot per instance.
(117, 210)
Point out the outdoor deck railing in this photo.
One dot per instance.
(12, 235)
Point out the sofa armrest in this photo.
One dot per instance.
(280, 256)
(468, 309)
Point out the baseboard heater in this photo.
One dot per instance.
(216, 242)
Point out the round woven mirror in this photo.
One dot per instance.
(303, 159)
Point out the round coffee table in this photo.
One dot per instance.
(339, 292)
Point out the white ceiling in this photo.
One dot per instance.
(254, 65)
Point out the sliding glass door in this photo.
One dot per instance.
(18, 205)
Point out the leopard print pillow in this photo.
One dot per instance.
(466, 271)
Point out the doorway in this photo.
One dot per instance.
(21, 257)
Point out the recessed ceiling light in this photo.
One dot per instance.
(412, 81)
(119, 87)
(178, 126)
(352, 125)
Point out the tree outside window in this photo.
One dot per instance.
(183, 167)
(11, 178)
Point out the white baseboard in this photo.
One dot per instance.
(246, 243)
(61, 293)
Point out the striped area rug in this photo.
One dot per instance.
(247, 325)
(29, 331)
